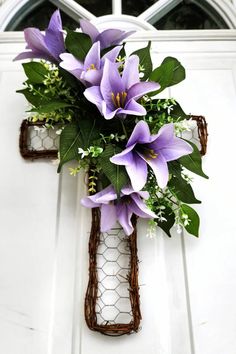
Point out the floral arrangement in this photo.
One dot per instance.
(114, 124)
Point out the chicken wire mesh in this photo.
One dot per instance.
(113, 266)
(40, 138)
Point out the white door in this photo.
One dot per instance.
(188, 285)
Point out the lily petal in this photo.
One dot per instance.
(110, 37)
(93, 94)
(108, 217)
(54, 37)
(124, 215)
(71, 64)
(125, 157)
(93, 57)
(177, 149)
(160, 169)
(141, 88)
(140, 208)
(35, 40)
(134, 108)
(111, 82)
(106, 195)
(112, 54)
(140, 134)
(89, 29)
(137, 172)
(130, 74)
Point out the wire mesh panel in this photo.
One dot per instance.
(113, 266)
(36, 141)
(40, 138)
(112, 296)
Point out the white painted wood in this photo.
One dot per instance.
(158, 10)
(116, 7)
(73, 9)
(28, 214)
(210, 261)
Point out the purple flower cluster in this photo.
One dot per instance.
(116, 89)
(121, 210)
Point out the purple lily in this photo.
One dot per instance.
(48, 46)
(155, 150)
(122, 209)
(117, 95)
(89, 72)
(107, 38)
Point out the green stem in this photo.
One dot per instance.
(123, 127)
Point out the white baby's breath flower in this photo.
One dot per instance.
(40, 129)
(83, 152)
(58, 132)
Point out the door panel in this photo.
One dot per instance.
(211, 265)
(187, 285)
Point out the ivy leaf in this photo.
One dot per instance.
(51, 107)
(183, 190)
(145, 60)
(193, 161)
(169, 73)
(78, 44)
(35, 72)
(69, 144)
(169, 215)
(116, 174)
(193, 226)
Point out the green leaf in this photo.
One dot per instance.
(177, 112)
(169, 73)
(169, 215)
(183, 190)
(35, 72)
(145, 60)
(69, 144)
(193, 226)
(175, 168)
(50, 107)
(116, 174)
(71, 80)
(193, 162)
(78, 44)
(35, 100)
(89, 131)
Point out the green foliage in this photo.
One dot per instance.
(52, 106)
(78, 44)
(36, 72)
(35, 100)
(145, 60)
(116, 174)
(193, 162)
(77, 135)
(169, 73)
(167, 221)
(163, 111)
(193, 224)
(182, 190)
(69, 144)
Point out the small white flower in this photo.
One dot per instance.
(40, 129)
(83, 152)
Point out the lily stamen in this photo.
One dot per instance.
(91, 67)
(119, 99)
